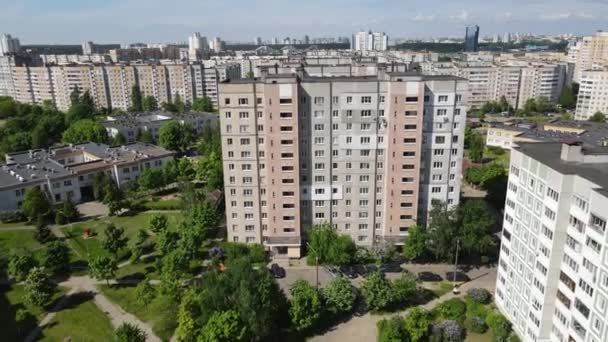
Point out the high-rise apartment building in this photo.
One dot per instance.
(111, 85)
(365, 154)
(88, 48)
(471, 39)
(217, 45)
(589, 53)
(369, 41)
(8, 45)
(197, 44)
(6, 76)
(592, 94)
(552, 277)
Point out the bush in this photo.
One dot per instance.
(449, 330)
(514, 338)
(479, 295)
(13, 217)
(391, 330)
(452, 309)
(476, 325)
(60, 218)
(501, 327)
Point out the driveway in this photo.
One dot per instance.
(93, 209)
(292, 274)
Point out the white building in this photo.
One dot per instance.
(8, 45)
(67, 172)
(589, 53)
(88, 48)
(131, 125)
(216, 44)
(370, 41)
(197, 44)
(593, 93)
(552, 281)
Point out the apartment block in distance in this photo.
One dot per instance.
(552, 280)
(366, 154)
(593, 93)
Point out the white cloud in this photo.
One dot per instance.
(421, 17)
(462, 16)
(566, 15)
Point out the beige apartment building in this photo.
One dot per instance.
(593, 93)
(110, 85)
(516, 80)
(589, 53)
(366, 154)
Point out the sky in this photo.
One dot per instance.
(124, 21)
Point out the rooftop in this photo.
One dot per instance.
(590, 133)
(144, 118)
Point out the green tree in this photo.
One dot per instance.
(250, 74)
(476, 147)
(175, 136)
(174, 266)
(48, 130)
(20, 263)
(69, 211)
(377, 292)
(209, 169)
(56, 257)
(35, 203)
(150, 104)
(151, 178)
(128, 332)
(202, 104)
(187, 328)
(119, 139)
(179, 104)
(87, 101)
(8, 107)
(476, 222)
(325, 243)
(136, 99)
(39, 288)
(224, 326)
(113, 197)
(145, 293)
(145, 137)
(306, 308)
(415, 243)
(75, 96)
(392, 330)
(114, 240)
(501, 327)
(339, 296)
(417, 324)
(442, 232)
(598, 117)
(404, 287)
(567, 99)
(103, 268)
(85, 131)
(452, 309)
(159, 223)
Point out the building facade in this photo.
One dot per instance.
(370, 41)
(471, 39)
(593, 93)
(9, 45)
(553, 269)
(67, 172)
(589, 53)
(366, 154)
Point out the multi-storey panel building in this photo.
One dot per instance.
(593, 93)
(366, 154)
(553, 272)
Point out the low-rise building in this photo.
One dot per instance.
(131, 125)
(67, 172)
(508, 134)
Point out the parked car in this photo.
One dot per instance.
(364, 270)
(391, 268)
(459, 276)
(429, 276)
(277, 271)
(349, 272)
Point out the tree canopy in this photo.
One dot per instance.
(598, 117)
(202, 104)
(84, 131)
(175, 136)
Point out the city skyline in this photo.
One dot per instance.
(37, 22)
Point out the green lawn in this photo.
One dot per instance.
(11, 300)
(140, 269)
(439, 289)
(80, 320)
(500, 157)
(473, 337)
(18, 239)
(13, 225)
(131, 224)
(164, 204)
(161, 314)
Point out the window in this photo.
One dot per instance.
(594, 245)
(286, 115)
(227, 100)
(550, 214)
(442, 98)
(598, 224)
(243, 101)
(319, 100)
(411, 99)
(547, 232)
(366, 113)
(366, 99)
(284, 101)
(442, 112)
(440, 139)
(553, 194)
(438, 152)
(411, 113)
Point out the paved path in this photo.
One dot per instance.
(363, 328)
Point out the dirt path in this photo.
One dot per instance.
(49, 317)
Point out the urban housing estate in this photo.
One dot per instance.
(552, 279)
(366, 154)
(67, 172)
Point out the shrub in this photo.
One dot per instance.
(514, 338)
(476, 325)
(13, 217)
(391, 330)
(451, 331)
(452, 309)
(60, 218)
(501, 327)
(479, 295)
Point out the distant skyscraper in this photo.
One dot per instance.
(258, 41)
(8, 45)
(196, 45)
(306, 39)
(88, 48)
(275, 41)
(471, 39)
(216, 44)
(370, 41)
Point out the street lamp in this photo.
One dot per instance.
(316, 264)
(455, 290)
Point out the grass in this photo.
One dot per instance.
(13, 225)
(493, 154)
(161, 314)
(80, 320)
(19, 239)
(131, 224)
(138, 270)
(11, 300)
(473, 337)
(441, 288)
(164, 204)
